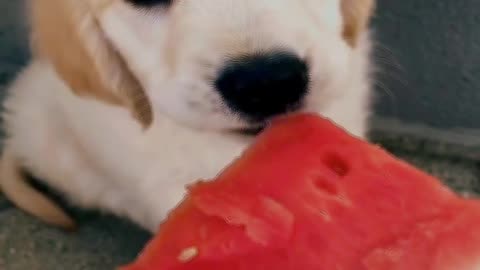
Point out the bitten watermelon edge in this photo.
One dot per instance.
(308, 195)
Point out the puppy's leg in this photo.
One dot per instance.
(17, 190)
(31, 124)
(55, 157)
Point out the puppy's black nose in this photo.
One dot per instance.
(264, 85)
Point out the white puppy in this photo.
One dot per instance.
(127, 101)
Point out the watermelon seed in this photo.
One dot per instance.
(188, 254)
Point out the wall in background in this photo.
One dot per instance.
(13, 39)
(430, 72)
(428, 55)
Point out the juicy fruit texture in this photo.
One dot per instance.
(307, 195)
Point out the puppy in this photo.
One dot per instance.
(126, 101)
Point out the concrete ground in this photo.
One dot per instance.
(103, 242)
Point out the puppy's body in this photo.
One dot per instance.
(100, 156)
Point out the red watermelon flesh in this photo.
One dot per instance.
(309, 196)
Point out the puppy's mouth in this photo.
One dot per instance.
(251, 131)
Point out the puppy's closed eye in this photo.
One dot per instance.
(150, 3)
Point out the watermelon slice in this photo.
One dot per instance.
(308, 196)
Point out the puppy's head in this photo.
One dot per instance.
(218, 64)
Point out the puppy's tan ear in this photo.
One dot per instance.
(356, 16)
(67, 33)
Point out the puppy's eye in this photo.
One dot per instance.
(149, 3)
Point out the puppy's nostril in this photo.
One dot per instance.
(260, 86)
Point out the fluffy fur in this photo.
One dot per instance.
(117, 109)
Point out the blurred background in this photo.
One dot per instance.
(430, 51)
(427, 112)
(428, 82)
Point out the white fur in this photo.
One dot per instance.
(99, 156)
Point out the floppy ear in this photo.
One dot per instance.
(356, 17)
(67, 33)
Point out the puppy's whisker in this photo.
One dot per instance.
(389, 93)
